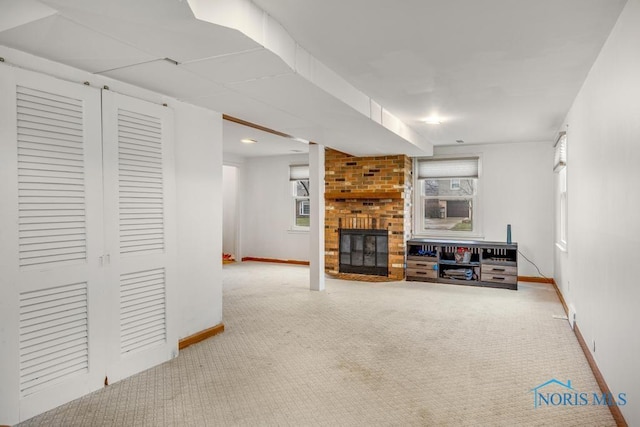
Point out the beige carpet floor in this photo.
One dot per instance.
(400, 353)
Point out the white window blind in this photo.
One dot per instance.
(298, 172)
(448, 168)
(560, 158)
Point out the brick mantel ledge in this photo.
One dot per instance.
(334, 195)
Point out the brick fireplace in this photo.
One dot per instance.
(367, 193)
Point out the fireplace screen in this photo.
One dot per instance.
(364, 251)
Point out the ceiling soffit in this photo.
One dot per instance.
(242, 56)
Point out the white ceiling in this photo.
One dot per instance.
(355, 75)
(495, 70)
(267, 143)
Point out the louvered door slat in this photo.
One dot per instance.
(139, 120)
(45, 153)
(141, 302)
(53, 304)
(136, 214)
(31, 131)
(49, 146)
(51, 376)
(37, 330)
(149, 340)
(63, 358)
(140, 167)
(134, 315)
(58, 109)
(47, 220)
(32, 230)
(28, 236)
(28, 167)
(132, 191)
(35, 299)
(60, 336)
(135, 173)
(49, 98)
(139, 231)
(132, 240)
(138, 149)
(29, 211)
(52, 238)
(43, 320)
(48, 349)
(142, 295)
(37, 125)
(143, 330)
(66, 124)
(56, 142)
(51, 112)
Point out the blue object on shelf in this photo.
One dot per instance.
(509, 233)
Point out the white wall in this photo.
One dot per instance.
(603, 149)
(229, 209)
(199, 212)
(267, 210)
(516, 187)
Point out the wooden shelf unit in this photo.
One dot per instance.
(491, 264)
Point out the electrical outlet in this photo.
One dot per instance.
(572, 316)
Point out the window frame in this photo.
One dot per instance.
(303, 204)
(294, 178)
(560, 167)
(419, 201)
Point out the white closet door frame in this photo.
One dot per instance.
(51, 240)
(140, 233)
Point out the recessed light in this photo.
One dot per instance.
(433, 120)
(460, 141)
(248, 141)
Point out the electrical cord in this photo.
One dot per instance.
(532, 263)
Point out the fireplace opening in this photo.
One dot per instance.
(364, 251)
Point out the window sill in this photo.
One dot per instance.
(298, 230)
(450, 236)
(562, 247)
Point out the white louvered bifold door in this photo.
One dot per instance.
(139, 205)
(51, 240)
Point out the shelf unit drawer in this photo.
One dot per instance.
(426, 273)
(499, 269)
(429, 265)
(499, 278)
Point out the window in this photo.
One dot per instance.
(448, 190)
(559, 166)
(560, 157)
(299, 177)
(562, 232)
(304, 208)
